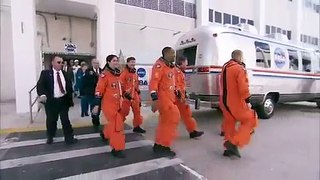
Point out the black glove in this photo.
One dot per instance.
(154, 96)
(178, 94)
(127, 96)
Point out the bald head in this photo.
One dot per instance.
(169, 54)
(237, 55)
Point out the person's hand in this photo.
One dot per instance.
(95, 110)
(154, 106)
(43, 99)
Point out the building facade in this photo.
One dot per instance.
(141, 28)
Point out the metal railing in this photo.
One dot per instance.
(32, 102)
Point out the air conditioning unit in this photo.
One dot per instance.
(278, 36)
(248, 28)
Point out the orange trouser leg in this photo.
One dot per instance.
(168, 121)
(125, 109)
(248, 120)
(186, 116)
(228, 124)
(137, 118)
(113, 130)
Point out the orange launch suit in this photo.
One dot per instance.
(163, 83)
(233, 103)
(183, 106)
(131, 85)
(110, 90)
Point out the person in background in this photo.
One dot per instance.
(89, 83)
(54, 89)
(75, 69)
(79, 76)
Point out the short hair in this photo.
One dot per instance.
(180, 60)
(130, 59)
(236, 54)
(166, 50)
(110, 57)
(55, 56)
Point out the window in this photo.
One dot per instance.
(243, 20)
(210, 15)
(251, 22)
(289, 35)
(190, 53)
(235, 19)
(218, 17)
(284, 32)
(226, 18)
(293, 60)
(278, 30)
(262, 55)
(306, 62)
(273, 29)
(267, 29)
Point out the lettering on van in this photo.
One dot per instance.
(279, 57)
(187, 41)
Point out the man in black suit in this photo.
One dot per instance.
(88, 87)
(54, 88)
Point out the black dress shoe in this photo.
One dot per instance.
(196, 134)
(118, 154)
(49, 140)
(71, 141)
(138, 129)
(232, 149)
(163, 150)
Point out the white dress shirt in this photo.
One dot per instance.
(56, 90)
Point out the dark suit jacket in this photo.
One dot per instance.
(45, 86)
(89, 82)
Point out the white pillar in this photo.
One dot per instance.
(260, 16)
(105, 29)
(23, 37)
(202, 10)
(297, 17)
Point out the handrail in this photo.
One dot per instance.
(31, 103)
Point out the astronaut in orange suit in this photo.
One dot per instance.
(181, 98)
(162, 91)
(130, 81)
(109, 95)
(235, 105)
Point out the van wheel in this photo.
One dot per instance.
(266, 109)
(318, 104)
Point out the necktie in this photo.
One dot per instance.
(97, 72)
(60, 83)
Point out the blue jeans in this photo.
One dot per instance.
(84, 105)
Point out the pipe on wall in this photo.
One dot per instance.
(46, 26)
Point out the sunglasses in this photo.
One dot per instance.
(60, 62)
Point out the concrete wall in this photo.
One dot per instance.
(243, 8)
(7, 68)
(276, 9)
(59, 33)
(146, 44)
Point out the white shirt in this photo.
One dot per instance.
(56, 90)
(96, 71)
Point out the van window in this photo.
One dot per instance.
(293, 60)
(190, 53)
(262, 55)
(306, 62)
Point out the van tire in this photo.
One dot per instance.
(318, 104)
(266, 109)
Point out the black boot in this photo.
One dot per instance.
(232, 149)
(49, 140)
(118, 154)
(196, 134)
(138, 129)
(162, 150)
(70, 140)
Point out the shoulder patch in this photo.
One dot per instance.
(158, 65)
(102, 75)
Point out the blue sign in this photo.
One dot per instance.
(279, 57)
(141, 72)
